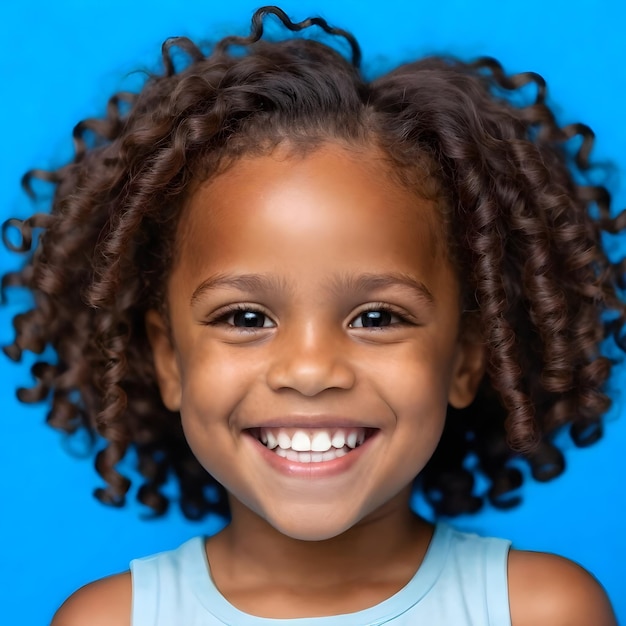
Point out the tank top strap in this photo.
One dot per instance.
(163, 584)
(496, 574)
(477, 570)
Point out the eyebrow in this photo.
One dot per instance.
(240, 282)
(361, 283)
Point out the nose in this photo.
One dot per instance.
(310, 360)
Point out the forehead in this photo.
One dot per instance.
(336, 208)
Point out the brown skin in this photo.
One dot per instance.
(312, 232)
(311, 226)
(256, 567)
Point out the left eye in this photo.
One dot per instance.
(374, 319)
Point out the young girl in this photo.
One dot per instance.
(302, 293)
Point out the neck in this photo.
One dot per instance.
(390, 542)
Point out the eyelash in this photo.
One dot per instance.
(222, 317)
(380, 306)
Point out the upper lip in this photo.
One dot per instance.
(310, 422)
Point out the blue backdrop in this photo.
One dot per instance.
(62, 59)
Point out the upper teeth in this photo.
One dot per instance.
(312, 441)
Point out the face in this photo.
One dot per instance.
(314, 339)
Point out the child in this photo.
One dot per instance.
(326, 272)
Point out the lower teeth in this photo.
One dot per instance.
(312, 457)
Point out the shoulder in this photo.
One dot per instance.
(548, 589)
(105, 602)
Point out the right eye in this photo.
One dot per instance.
(241, 317)
(249, 319)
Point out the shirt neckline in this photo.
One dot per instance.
(204, 589)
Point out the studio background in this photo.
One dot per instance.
(61, 61)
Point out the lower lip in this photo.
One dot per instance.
(320, 469)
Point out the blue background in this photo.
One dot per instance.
(60, 62)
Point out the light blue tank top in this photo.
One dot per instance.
(462, 581)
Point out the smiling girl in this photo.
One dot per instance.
(347, 290)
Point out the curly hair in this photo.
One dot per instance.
(524, 234)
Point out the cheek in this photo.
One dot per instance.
(417, 376)
(212, 388)
(213, 376)
(415, 387)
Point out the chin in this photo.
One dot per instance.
(310, 527)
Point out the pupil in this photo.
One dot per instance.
(376, 318)
(249, 319)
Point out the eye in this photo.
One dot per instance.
(249, 319)
(375, 318)
(242, 317)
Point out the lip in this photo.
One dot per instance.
(308, 422)
(324, 469)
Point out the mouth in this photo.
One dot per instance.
(313, 445)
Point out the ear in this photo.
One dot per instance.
(165, 361)
(469, 369)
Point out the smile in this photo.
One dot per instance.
(311, 445)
